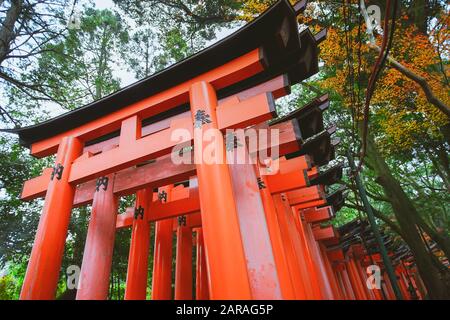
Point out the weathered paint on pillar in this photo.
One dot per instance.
(310, 261)
(298, 270)
(162, 258)
(201, 279)
(41, 278)
(313, 245)
(335, 286)
(99, 247)
(137, 273)
(261, 266)
(280, 256)
(224, 250)
(183, 269)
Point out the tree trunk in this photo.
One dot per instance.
(435, 280)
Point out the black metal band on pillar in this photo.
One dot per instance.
(182, 221)
(102, 181)
(57, 171)
(162, 196)
(139, 212)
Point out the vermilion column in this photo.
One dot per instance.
(340, 284)
(402, 284)
(276, 238)
(224, 250)
(356, 280)
(261, 266)
(201, 279)
(299, 272)
(320, 287)
(183, 269)
(42, 274)
(137, 273)
(335, 286)
(370, 293)
(327, 279)
(98, 250)
(162, 258)
(389, 290)
(347, 284)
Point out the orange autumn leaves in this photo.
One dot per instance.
(401, 116)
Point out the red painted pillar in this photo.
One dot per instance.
(347, 284)
(223, 241)
(356, 280)
(162, 258)
(261, 266)
(327, 280)
(183, 269)
(201, 279)
(363, 276)
(342, 288)
(276, 238)
(389, 290)
(41, 278)
(338, 295)
(299, 272)
(98, 250)
(322, 289)
(137, 273)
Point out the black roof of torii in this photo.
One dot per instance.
(296, 56)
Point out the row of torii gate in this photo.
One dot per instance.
(260, 228)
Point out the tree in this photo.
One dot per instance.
(403, 122)
(27, 26)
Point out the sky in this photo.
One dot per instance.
(120, 71)
(127, 77)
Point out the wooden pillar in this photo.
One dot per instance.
(261, 266)
(363, 276)
(335, 286)
(326, 279)
(41, 278)
(137, 272)
(201, 279)
(356, 280)
(347, 284)
(162, 258)
(99, 247)
(299, 272)
(183, 269)
(403, 284)
(223, 241)
(339, 278)
(388, 287)
(321, 287)
(285, 275)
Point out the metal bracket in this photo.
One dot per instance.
(162, 196)
(57, 171)
(182, 221)
(102, 181)
(261, 184)
(201, 118)
(139, 212)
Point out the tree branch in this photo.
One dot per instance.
(421, 81)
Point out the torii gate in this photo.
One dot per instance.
(257, 235)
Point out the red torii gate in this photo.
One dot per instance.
(258, 236)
